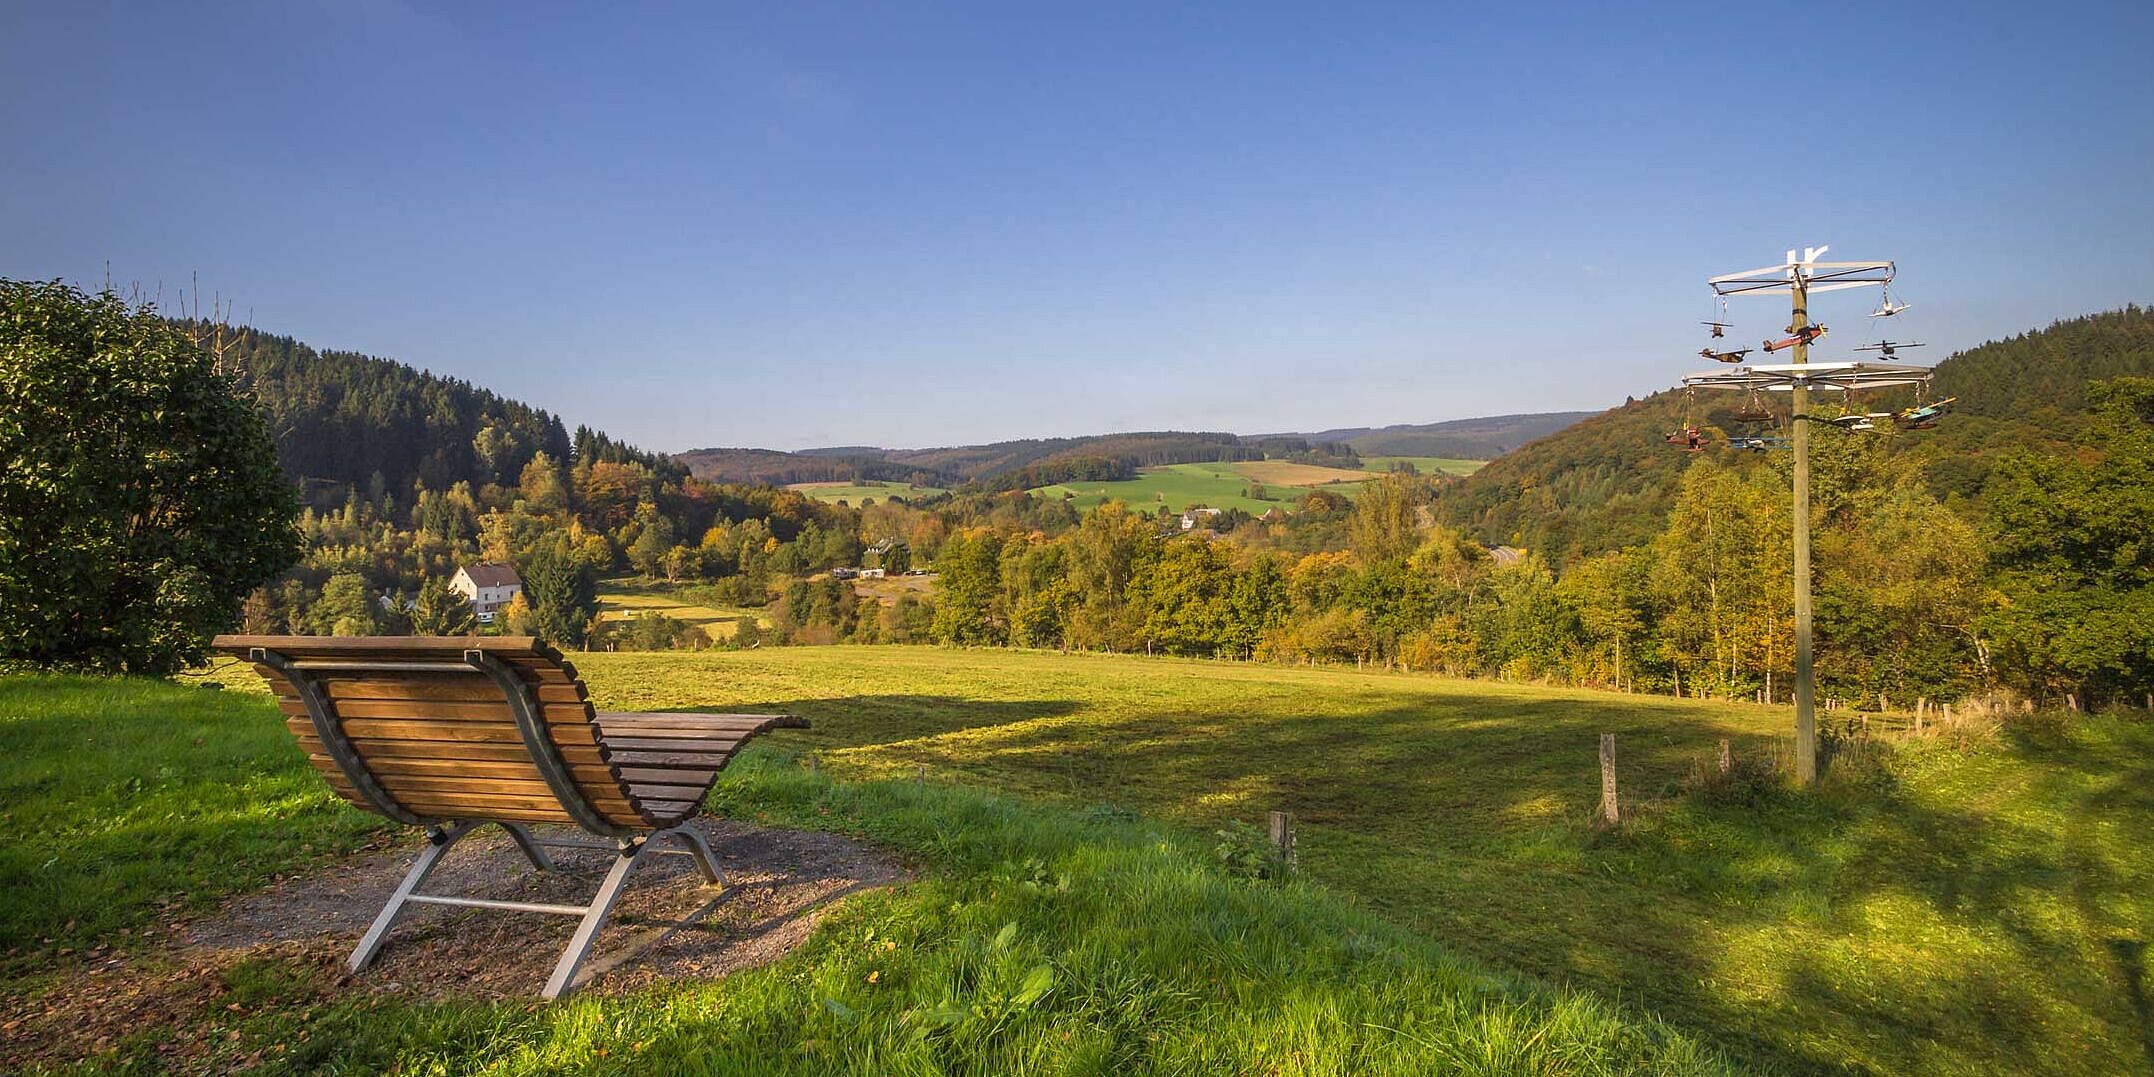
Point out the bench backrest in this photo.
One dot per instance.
(428, 729)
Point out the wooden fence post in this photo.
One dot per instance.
(1727, 757)
(919, 776)
(1282, 836)
(811, 762)
(1608, 780)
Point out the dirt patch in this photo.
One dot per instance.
(668, 925)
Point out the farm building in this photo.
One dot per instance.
(487, 586)
(1195, 518)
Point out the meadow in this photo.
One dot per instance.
(1977, 903)
(1178, 486)
(1035, 939)
(1427, 465)
(624, 598)
(1214, 485)
(853, 493)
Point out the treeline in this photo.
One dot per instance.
(1066, 469)
(1608, 482)
(379, 563)
(2049, 593)
(344, 421)
(998, 466)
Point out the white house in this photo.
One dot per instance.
(1196, 518)
(487, 586)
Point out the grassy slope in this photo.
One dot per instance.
(1978, 912)
(623, 598)
(119, 798)
(1985, 911)
(1179, 486)
(1428, 465)
(1039, 941)
(854, 493)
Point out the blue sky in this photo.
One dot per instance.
(798, 224)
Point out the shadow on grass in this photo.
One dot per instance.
(1882, 925)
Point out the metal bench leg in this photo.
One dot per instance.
(579, 945)
(700, 849)
(528, 844)
(437, 843)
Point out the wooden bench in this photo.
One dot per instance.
(451, 733)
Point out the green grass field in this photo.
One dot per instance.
(1178, 486)
(1036, 939)
(1934, 909)
(623, 598)
(854, 493)
(1428, 465)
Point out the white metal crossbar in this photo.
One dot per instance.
(627, 855)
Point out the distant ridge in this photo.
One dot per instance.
(1004, 464)
(1608, 481)
(1472, 439)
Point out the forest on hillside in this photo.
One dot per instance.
(2000, 551)
(1609, 481)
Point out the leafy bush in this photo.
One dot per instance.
(140, 497)
(1246, 852)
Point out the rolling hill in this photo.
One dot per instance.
(344, 420)
(1031, 463)
(1608, 481)
(1470, 439)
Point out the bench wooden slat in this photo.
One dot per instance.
(376, 646)
(444, 744)
(400, 748)
(684, 745)
(570, 714)
(479, 768)
(635, 757)
(409, 788)
(444, 688)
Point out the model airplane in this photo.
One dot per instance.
(1720, 329)
(1757, 444)
(1855, 420)
(1724, 357)
(1923, 416)
(1887, 348)
(1688, 439)
(1804, 335)
(1888, 308)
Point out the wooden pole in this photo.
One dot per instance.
(1608, 780)
(1282, 836)
(1805, 680)
(1727, 757)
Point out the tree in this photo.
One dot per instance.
(968, 589)
(1186, 597)
(563, 594)
(346, 607)
(440, 611)
(140, 496)
(2073, 561)
(1385, 525)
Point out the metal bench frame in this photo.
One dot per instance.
(629, 845)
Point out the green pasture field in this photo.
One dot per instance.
(853, 493)
(1035, 940)
(1980, 904)
(1179, 486)
(623, 598)
(1429, 465)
